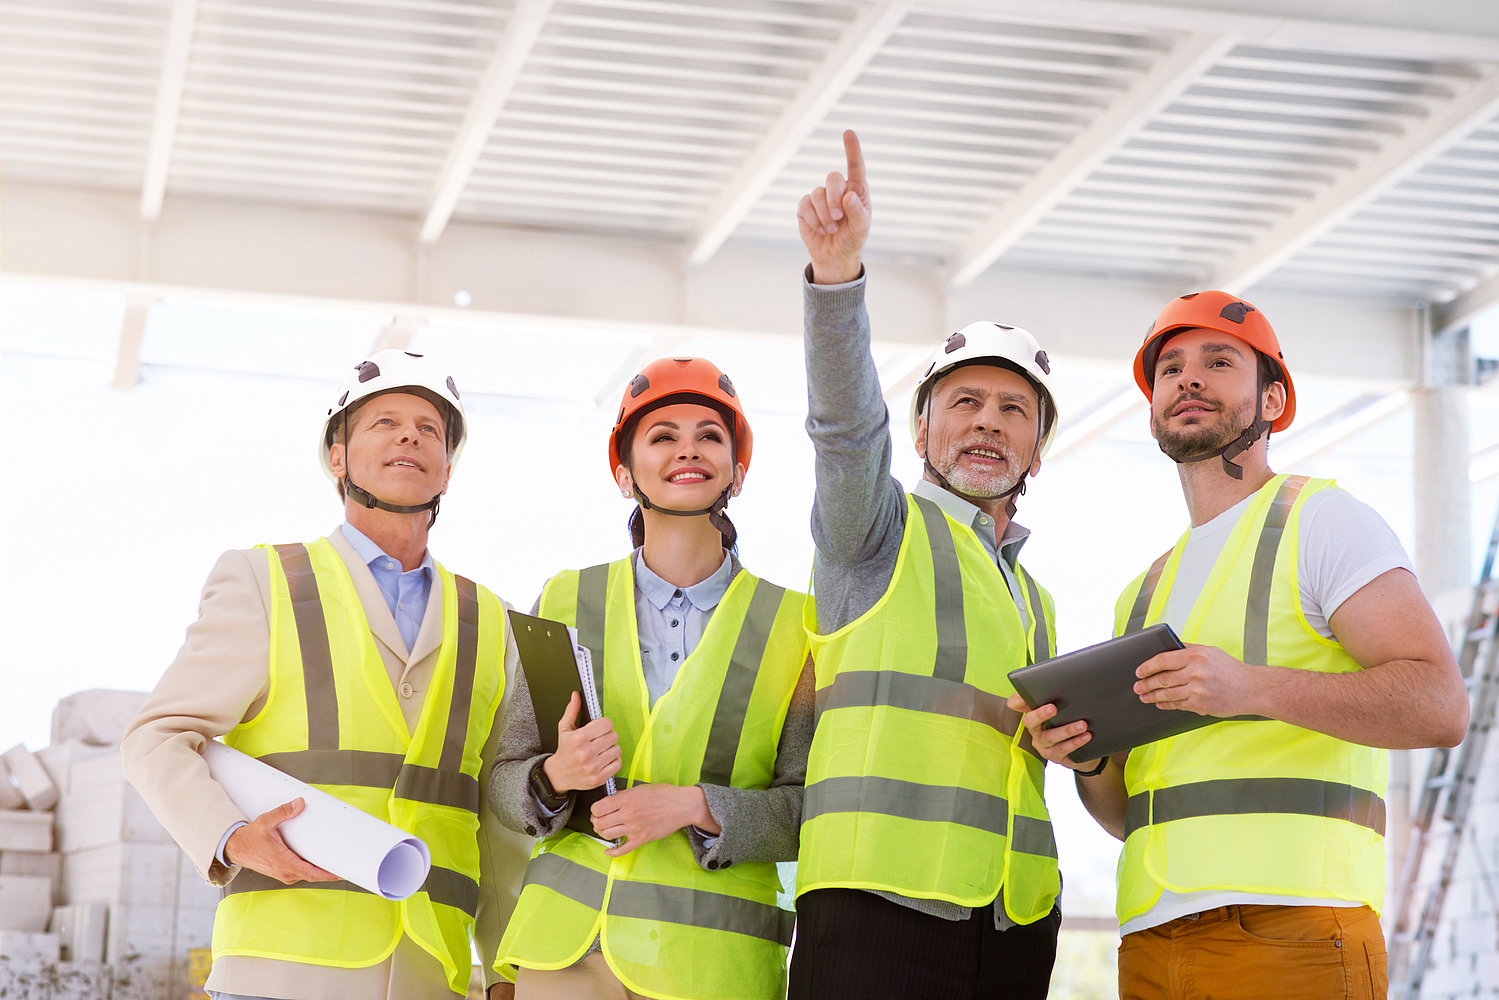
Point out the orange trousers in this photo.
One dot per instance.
(1255, 952)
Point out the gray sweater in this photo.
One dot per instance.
(859, 509)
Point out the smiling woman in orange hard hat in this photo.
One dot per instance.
(706, 692)
(1253, 860)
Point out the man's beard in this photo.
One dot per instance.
(1184, 444)
(975, 482)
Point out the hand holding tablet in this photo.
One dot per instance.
(1097, 685)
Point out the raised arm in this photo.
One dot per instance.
(858, 514)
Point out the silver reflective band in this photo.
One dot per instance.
(674, 904)
(592, 616)
(365, 768)
(947, 580)
(439, 788)
(443, 886)
(739, 684)
(1262, 572)
(915, 693)
(1247, 796)
(1141, 607)
(578, 883)
(1040, 646)
(321, 694)
(668, 903)
(907, 800)
(372, 769)
(1034, 836)
(465, 665)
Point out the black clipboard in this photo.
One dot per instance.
(1098, 684)
(552, 673)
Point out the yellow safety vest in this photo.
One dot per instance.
(912, 785)
(332, 720)
(1254, 806)
(667, 927)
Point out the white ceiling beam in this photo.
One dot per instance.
(168, 106)
(523, 28)
(132, 333)
(817, 96)
(1423, 142)
(1347, 421)
(1178, 69)
(1098, 420)
(1452, 31)
(397, 334)
(1466, 307)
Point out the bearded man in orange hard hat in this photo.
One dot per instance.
(1253, 860)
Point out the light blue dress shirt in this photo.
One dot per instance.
(405, 592)
(670, 620)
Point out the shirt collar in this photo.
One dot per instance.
(703, 595)
(963, 512)
(371, 553)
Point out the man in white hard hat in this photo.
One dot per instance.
(319, 659)
(927, 863)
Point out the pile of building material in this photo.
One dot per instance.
(96, 901)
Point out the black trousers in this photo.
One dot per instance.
(854, 945)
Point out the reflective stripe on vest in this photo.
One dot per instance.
(669, 903)
(354, 751)
(929, 804)
(655, 911)
(876, 813)
(1261, 807)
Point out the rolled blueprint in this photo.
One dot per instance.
(330, 833)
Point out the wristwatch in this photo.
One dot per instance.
(541, 787)
(1103, 762)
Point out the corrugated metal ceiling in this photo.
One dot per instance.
(631, 116)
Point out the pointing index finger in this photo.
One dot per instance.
(856, 178)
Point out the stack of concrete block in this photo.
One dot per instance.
(29, 871)
(123, 906)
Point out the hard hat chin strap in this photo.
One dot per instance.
(367, 499)
(1240, 444)
(713, 510)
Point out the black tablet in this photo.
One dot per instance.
(1097, 684)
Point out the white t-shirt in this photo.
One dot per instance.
(1343, 545)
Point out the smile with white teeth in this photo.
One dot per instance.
(404, 462)
(985, 453)
(682, 477)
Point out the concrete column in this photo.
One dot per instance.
(1443, 519)
(1443, 550)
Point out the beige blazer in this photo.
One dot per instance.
(221, 677)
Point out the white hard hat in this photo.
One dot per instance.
(398, 371)
(1005, 346)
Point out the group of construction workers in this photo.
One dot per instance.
(870, 734)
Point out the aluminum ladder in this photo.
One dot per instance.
(1451, 780)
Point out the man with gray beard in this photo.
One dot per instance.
(927, 863)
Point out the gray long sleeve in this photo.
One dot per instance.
(859, 510)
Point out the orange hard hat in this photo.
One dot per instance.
(1224, 313)
(683, 380)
